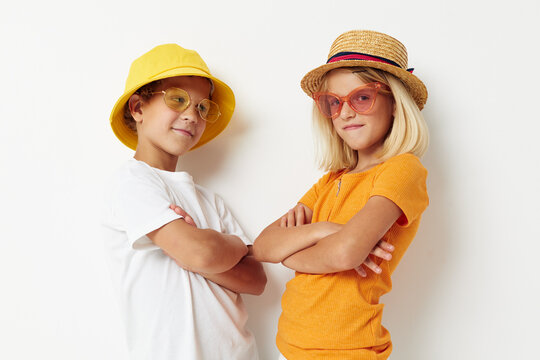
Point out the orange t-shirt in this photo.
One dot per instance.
(338, 316)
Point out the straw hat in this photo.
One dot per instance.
(369, 49)
(165, 61)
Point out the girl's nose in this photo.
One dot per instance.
(346, 111)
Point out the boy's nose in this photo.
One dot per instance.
(190, 114)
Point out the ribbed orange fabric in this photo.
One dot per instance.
(338, 316)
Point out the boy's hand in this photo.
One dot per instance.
(381, 250)
(177, 209)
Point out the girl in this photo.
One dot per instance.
(367, 115)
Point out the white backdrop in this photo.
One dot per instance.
(468, 287)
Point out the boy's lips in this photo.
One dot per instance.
(183, 131)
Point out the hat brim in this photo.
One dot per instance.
(222, 95)
(312, 80)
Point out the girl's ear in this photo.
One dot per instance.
(135, 107)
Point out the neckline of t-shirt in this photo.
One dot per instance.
(371, 169)
(346, 173)
(173, 174)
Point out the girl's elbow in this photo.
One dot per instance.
(260, 253)
(346, 258)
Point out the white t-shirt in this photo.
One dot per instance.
(170, 313)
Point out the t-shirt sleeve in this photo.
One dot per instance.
(141, 205)
(311, 196)
(402, 179)
(229, 223)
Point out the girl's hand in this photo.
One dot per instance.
(177, 209)
(381, 250)
(298, 215)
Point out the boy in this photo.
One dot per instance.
(178, 277)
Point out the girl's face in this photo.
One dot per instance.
(165, 131)
(364, 133)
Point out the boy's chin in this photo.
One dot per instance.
(181, 152)
(181, 148)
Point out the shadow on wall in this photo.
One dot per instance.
(412, 306)
(208, 160)
(264, 310)
(206, 163)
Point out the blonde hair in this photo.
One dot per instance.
(408, 134)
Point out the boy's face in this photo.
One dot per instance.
(162, 130)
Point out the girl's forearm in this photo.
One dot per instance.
(277, 243)
(331, 254)
(349, 247)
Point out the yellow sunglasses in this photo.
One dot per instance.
(179, 100)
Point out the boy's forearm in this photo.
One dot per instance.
(246, 277)
(223, 252)
(199, 250)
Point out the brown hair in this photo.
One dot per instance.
(146, 92)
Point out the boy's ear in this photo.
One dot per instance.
(135, 107)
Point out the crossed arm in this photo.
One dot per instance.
(221, 258)
(326, 247)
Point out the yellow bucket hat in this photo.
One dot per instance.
(165, 61)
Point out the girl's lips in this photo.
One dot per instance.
(353, 127)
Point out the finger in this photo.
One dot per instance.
(360, 270)
(177, 209)
(385, 246)
(372, 266)
(380, 253)
(190, 220)
(300, 215)
(174, 208)
(290, 218)
(283, 221)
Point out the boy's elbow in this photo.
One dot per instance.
(259, 284)
(211, 257)
(204, 261)
(260, 280)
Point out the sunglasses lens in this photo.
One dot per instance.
(209, 110)
(329, 105)
(177, 99)
(362, 99)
